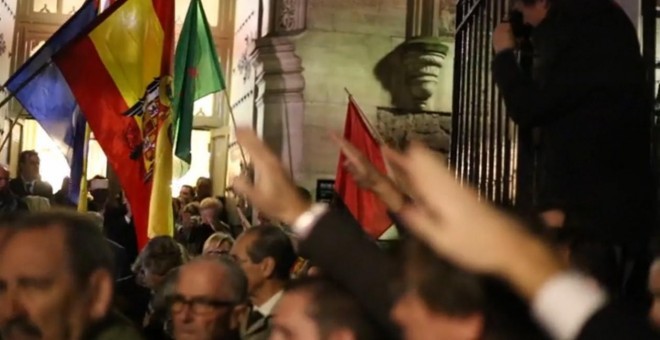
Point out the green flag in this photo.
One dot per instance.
(197, 73)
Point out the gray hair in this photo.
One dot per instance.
(237, 280)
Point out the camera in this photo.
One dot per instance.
(520, 29)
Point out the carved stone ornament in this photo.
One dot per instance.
(245, 61)
(398, 128)
(422, 60)
(290, 16)
(410, 72)
(3, 44)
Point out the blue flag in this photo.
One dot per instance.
(41, 89)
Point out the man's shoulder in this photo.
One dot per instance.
(44, 185)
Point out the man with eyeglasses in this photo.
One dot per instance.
(208, 300)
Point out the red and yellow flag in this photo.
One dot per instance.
(120, 74)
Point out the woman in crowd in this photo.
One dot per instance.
(218, 244)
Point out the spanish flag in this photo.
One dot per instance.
(120, 74)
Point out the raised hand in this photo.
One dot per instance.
(272, 191)
(474, 235)
(368, 177)
(363, 172)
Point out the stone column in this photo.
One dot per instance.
(422, 18)
(280, 84)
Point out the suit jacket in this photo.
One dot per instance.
(259, 330)
(11, 204)
(339, 246)
(41, 188)
(122, 266)
(612, 322)
(122, 232)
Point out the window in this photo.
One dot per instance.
(201, 158)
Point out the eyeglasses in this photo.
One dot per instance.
(198, 305)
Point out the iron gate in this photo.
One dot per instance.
(488, 151)
(484, 140)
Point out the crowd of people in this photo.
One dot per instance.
(464, 270)
(576, 268)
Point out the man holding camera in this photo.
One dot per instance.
(587, 97)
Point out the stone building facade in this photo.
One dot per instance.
(293, 61)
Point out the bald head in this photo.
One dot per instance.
(207, 297)
(213, 275)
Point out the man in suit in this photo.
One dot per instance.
(28, 182)
(266, 255)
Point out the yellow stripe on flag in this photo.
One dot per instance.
(130, 45)
(161, 220)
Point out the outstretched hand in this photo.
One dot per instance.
(367, 176)
(272, 191)
(474, 235)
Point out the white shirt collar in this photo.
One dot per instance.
(267, 308)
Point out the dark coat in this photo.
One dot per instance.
(336, 240)
(43, 189)
(116, 228)
(11, 204)
(588, 98)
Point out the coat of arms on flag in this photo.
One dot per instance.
(150, 113)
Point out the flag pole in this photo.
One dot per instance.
(288, 137)
(373, 131)
(13, 94)
(11, 128)
(233, 121)
(82, 197)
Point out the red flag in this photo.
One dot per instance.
(370, 211)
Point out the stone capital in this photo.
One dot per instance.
(289, 17)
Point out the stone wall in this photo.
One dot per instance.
(343, 43)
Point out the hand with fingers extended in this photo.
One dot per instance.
(272, 192)
(474, 235)
(368, 177)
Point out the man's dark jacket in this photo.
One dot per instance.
(588, 98)
(41, 188)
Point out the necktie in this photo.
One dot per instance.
(29, 186)
(254, 317)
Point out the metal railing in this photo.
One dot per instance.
(484, 141)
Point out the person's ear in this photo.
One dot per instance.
(101, 287)
(267, 267)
